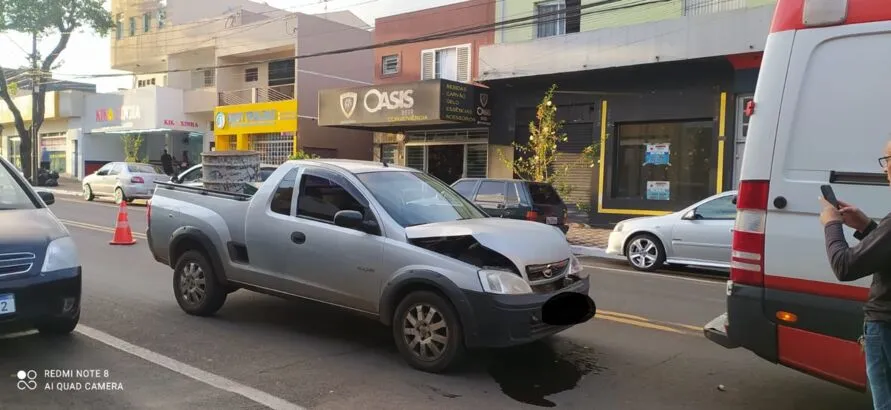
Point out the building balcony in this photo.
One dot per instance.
(703, 32)
(256, 94)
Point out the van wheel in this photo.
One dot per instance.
(645, 252)
(196, 287)
(428, 333)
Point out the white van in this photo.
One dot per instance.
(821, 115)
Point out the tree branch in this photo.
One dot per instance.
(65, 30)
(16, 114)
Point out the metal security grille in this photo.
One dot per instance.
(476, 165)
(275, 148)
(700, 7)
(468, 135)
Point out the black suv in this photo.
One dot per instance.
(515, 199)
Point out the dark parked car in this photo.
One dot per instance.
(515, 199)
(40, 274)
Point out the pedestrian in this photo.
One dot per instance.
(870, 256)
(44, 159)
(167, 162)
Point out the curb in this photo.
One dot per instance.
(58, 191)
(594, 252)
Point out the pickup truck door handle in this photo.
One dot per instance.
(298, 237)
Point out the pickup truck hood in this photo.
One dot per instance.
(523, 242)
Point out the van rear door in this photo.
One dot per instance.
(834, 121)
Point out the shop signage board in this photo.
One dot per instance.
(427, 102)
(256, 118)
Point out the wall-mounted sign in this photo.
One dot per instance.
(130, 112)
(104, 115)
(420, 103)
(172, 123)
(258, 118)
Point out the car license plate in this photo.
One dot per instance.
(7, 304)
(551, 220)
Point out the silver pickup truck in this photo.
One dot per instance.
(390, 242)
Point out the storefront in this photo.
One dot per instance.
(437, 126)
(665, 133)
(151, 115)
(269, 127)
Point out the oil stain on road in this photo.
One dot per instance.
(532, 372)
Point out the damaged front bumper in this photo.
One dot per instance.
(511, 320)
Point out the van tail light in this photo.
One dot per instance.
(136, 180)
(531, 215)
(747, 255)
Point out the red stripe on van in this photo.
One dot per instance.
(830, 358)
(788, 13)
(812, 287)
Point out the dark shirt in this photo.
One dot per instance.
(167, 163)
(871, 256)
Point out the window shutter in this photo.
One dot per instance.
(427, 62)
(464, 65)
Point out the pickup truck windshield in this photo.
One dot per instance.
(415, 198)
(12, 195)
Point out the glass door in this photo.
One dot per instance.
(742, 129)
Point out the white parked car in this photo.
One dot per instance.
(698, 235)
(194, 175)
(125, 181)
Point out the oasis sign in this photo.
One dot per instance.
(424, 103)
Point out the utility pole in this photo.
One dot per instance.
(35, 79)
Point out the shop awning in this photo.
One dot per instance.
(406, 106)
(128, 129)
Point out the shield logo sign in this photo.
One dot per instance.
(348, 103)
(484, 99)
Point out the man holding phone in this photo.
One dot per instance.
(871, 256)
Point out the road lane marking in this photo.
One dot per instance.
(720, 282)
(99, 228)
(107, 205)
(643, 319)
(642, 324)
(195, 373)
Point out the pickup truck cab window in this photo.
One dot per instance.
(321, 197)
(415, 198)
(284, 194)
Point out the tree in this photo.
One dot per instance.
(535, 159)
(132, 144)
(41, 19)
(301, 154)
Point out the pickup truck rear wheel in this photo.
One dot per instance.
(197, 289)
(427, 331)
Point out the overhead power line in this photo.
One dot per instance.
(510, 23)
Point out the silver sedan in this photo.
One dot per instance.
(698, 235)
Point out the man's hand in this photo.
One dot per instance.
(829, 213)
(853, 216)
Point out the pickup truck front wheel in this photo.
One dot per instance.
(427, 331)
(196, 287)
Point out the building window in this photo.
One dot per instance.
(416, 157)
(679, 167)
(146, 22)
(118, 26)
(388, 153)
(550, 18)
(162, 17)
(449, 63)
(132, 26)
(208, 78)
(251, 74)
(390, 64)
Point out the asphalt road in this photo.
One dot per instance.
(644, 350)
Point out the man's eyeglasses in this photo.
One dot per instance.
(883, 161)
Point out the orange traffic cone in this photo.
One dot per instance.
(122, 233)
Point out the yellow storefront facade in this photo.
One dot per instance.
(268, 127)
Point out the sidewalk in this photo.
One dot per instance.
(588, 241)
(67, 186)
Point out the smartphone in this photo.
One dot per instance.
(829, 195)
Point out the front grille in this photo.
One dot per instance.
(16, 263)
(547, 272)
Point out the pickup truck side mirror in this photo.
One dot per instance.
(349, 219)
(47, 197)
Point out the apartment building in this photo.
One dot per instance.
(672, 76)
(224, 74)
(425, 108)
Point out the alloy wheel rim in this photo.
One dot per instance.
(86, 191)
(643, 253)
(425, 332)
(192, 284)
(118, 196)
